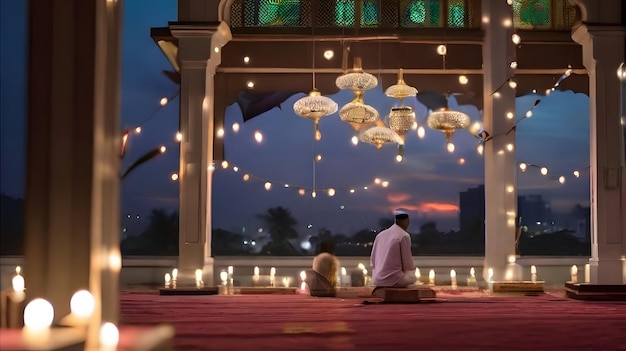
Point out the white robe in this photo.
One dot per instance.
(391, 258)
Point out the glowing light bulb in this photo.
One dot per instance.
(576, 174)
(512, 84)
(385, 184)
(516, 38)
(250, 84)
(513, 64)
(421, 132)
(450, 147)
(529, 114)
(163, 101)
(329, 54)
(138, 130)
(301, 192)
(398, 158)
(463, 79)
(163, 149)
(355, 140)
(268, 185)
(318, 157)
(442, 50)
(523, 166)
(509, 115)
(258, 136)
(331, 192)
(480, 149)
(246, 177)
(235, 127)
(224, 164)
(175, 274)
(461, 161)
(179, 136)
(174, 176)
(246, 59)
(561, 179)
(220, 132)
(313, 194)
(509, 147)
(544, 170)
(510, 188)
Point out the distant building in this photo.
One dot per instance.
(472, 209)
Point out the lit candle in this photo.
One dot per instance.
(272, 276)
(38, 316)
(255, 276)
(574, 274)
(230, 271)
(533, 274)
(473, 273)
(587, 273)
(431, 277)
(418, 275)
(168, 280)
(175, 274)
(453, 278)
(286, 282)
(199, 282)
(109, 337)
(303, 281)
(82, 306)
(224, 277)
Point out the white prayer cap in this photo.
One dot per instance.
(400, 211)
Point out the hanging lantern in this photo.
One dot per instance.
(378, 136)
(314, 107)
(448, 121)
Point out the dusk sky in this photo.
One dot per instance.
(428, 181)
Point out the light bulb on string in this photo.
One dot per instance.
(174, 176)
(220, 132)
(301, 192)
(512, 84)
(246, 177)
(268, 185)
(516, 38)
(224, 164)
(463, 79)
(480, 149)
(528, 114)
(442, 50)
(544, 170)
(576, 174)
(179, 136)
(258, 136)
(137, 130)
(355, 140)
(331, 192)
(509, 147)
(398, 158)
(313, 194)
(450, 147)
(421, 132)
(523, 166)
(561, 179)
(235, 127)
(385, 184)
(163, 149)
(513, 64)
(164, 101)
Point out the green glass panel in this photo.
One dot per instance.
(435, 16)
(414, 13)
(456, 15)
(532, 13)
(344, 13)
(369, 16)
(279, 13)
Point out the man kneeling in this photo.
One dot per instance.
(391, 258)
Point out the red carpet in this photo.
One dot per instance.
(467, 321)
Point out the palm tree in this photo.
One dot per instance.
(280, 224)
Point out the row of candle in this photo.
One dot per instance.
(226, 277)
(171, 280)
(38, 315)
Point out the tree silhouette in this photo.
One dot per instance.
(159, 238)
(280, 224)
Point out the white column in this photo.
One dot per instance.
(499, 99)
(199, 53)
(603, 52)
(72, 187)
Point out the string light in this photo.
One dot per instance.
(543, 170)
(331, 191)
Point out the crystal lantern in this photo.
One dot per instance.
(314, 107)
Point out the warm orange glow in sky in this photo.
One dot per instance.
(404, 200)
